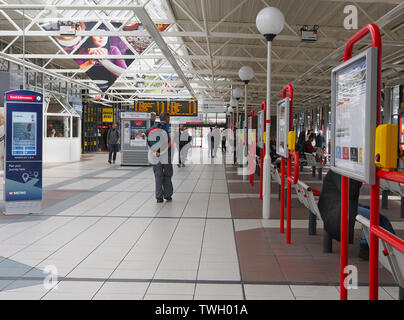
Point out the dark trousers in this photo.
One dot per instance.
(113, 149)
(179, 154)
(223, 145)
(162, 175)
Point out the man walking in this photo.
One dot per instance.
(113, 138)
(163, 169)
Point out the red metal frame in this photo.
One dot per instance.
(374, 193)
(375, 231)
(287, 88)
(263, 107)
(252, 151)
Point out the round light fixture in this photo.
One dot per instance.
(270, 22)
(237, 93)
(246, 73)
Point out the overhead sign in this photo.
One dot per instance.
(135, 115)
(23, 156)
(173, 108)
(213, 105)
(282, 127)
(107, 115)
(353, 107)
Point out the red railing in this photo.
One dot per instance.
(262, 151)
(287, 88)
(375, 231)
(376, 42)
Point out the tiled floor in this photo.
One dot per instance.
(107, 238)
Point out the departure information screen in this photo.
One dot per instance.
(24, 133)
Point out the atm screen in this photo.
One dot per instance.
(24, 134)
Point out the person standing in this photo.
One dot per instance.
(211, 143)
(224, 140)
(216, 140)
(183, 140)
(113, 138)
(163, 169)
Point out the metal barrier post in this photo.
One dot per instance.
(312, 223)
(289, 202)
(327, 242)
(344, 235)
(374, 242)
(291, 180)
(282, 215)
(262, 154)
(287, 88)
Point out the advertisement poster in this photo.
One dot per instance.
(282, 128)
(23, 181)
(103, 72)
(138, 133)
(23, 157)
(350, 104)
(261, 129)
(2, 136)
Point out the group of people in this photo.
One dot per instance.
(303, 145)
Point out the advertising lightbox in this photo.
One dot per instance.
(353, 107)
(23, 156)
(282, 127)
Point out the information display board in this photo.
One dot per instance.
(23, 155)
(282, 127)
(173, 108)
(354, 107)
(261, 129)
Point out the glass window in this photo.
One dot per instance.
(58, 127)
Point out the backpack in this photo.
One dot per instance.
(154, 128)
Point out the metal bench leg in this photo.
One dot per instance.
(327, 242)
(320, 174)
(402, 207)
(400, 293)
(385, 199)
(312, 223)
(313, 173)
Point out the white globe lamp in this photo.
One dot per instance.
(270, 22)
(246, 74)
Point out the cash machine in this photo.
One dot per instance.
(134, 150)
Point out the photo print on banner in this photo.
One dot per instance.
(104, 72)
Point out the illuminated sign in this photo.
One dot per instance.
(173, 108)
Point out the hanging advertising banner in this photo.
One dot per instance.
(354, 105)
(103, 72)
(282, 127)
(107, 115)
(173, 108)
(23, 152)
(261, 129)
